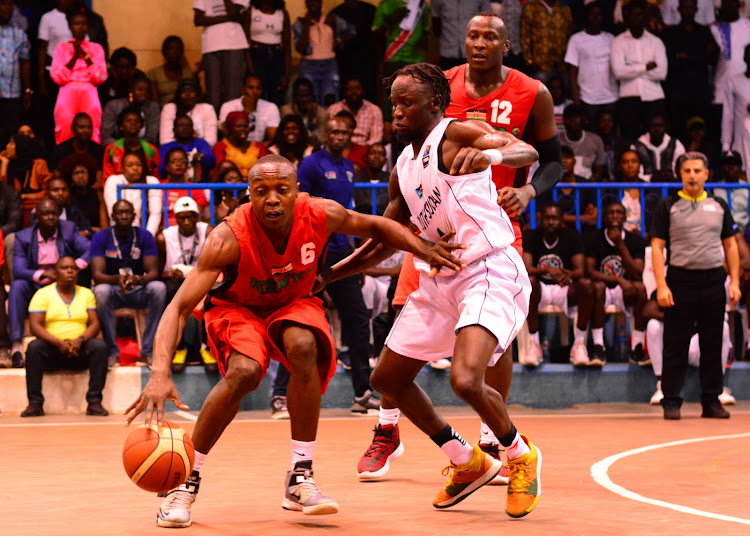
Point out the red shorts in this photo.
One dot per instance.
(408, 279)
(236, 328)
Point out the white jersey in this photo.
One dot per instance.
(440, 203)
(184, 250)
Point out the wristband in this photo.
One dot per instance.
(496, 157)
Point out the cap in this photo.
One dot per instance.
(186, 204)
(695, 121)
(731, 157)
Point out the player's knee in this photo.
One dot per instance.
(584, 288)
(243, 374)
(301, 351)
(599, 289)
(466, 385)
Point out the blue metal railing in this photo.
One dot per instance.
(650, 194)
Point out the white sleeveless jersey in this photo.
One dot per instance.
(440, 203)
(186, 253)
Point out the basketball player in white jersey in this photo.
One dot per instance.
(442, 184)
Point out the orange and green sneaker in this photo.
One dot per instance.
(524, 482)
(466, 478)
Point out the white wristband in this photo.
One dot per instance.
(496, 157)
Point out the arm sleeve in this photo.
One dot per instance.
(621, 70)
(274, 117)
(155, 209)
(82, 247)
(550, 169)
(59, 71)
(209, 124)
(220, 152)
(209, 158)
(376, 135)
(110, 195)
(728, 226)
(108, 168)
(660, 221)
(571, 55)
(599, 157)
(659, 73)
(39, 302)
(21, 268)
(98, 244)
(90, 300)
(97, 71)
(166, 123)
(148, 244)
(305, 176)
(727, 115)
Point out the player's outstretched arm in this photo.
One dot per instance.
(220, 250)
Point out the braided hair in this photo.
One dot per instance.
(430, 75)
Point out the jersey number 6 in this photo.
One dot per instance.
(308, 253)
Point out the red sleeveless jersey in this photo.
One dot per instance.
(264, 280)
(507, 108)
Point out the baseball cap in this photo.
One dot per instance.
(186, 204)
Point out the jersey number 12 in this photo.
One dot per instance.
(505, 108)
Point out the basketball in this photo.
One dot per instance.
(158, 458)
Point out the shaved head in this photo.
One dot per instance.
(272, 164)
(497, 23)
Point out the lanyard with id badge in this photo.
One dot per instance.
(135, 252)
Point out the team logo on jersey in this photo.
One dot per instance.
(516, 131)
(551, 260)
(419, 191)
(282, 270)
(274, 286)
(425, 160)
(476, 115)
(612, 266)
(331, 175)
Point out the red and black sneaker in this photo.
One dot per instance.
(385, 447)
(493, 449)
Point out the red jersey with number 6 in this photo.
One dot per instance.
(507, 108)
(265, 280)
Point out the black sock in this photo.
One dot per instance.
(507, 439)
(445, 435)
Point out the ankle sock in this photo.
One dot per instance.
(535, 336)
(598, 335)
(388, 416)
(637, 337)
(200, 459)
(515, 446)
(302, 451)
(579, 334)
(486, 435)
(454, 446)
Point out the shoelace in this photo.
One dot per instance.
(518, 477)
(381, 439)
(447, 471)
(181, 498)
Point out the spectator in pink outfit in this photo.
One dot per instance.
(78, 66)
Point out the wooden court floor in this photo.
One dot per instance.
(63, 476)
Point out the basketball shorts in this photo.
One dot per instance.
(555, 295)
(613, 296)
(236, 328)
(492, 292)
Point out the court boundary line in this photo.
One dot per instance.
(600, 474)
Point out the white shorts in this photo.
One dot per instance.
(555, 295)
(613, 296)
(492, 292)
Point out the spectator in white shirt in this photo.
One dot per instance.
(592, 84)
(639, 62)
(264, 115)
(188, 100)
(670, 12)
(732, 34)
(224, 46)
(132, 173)
(588, 148)
(658, 152)
(746, 141)
(736, 108)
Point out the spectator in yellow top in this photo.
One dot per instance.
(546, 26)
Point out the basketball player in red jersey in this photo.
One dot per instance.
(268, 251)
(483, 89)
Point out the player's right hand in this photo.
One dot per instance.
(664, 296)
(469, 160)
(154, 396)
(439, 255)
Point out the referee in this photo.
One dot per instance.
(694, 226)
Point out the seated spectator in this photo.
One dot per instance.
(560, 100)
(188, 99)
(367, 115)
(58, 191)
(130, 278)
(62, 317)
(236, 147)
(179, 247)
(629, 170)
(79, 172)
(546, 26)
(270, 33)
(23, 168)
(165, 77)
(122, 69)
(613, 143)
(80, 143)
(587, 201)
(587, 146)
(130, 124)
(264, 115)
(36, 251)
(5, 360)
(553, 256)
(639, 62)
(730, 170)
(78, 66)
(201, 158)
(132, 173)
(698, 141)
(658, 151)
(226, 201)
(291, 140)
(176, 168)
(139, 98)
(313, 114)
(374, 174)
(11, 220)
(355, 152)
(614, 262)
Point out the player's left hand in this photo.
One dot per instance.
(469, 160)
(734, 293)
(515, 200)
(439, 255)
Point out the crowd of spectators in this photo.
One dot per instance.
(635, 85)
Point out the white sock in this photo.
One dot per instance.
(200, 459)
(579, 334)
(518, 448)
(454, 446)
(302, 451)
(637, 338)
(598, 335)
(16, 347)
(388, 416)
(486, 436)
(535, 337)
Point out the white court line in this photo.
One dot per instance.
(599, 472)
(185, 415)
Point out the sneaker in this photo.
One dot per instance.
(366, 404)
(714, 410)
(278, 408)
(441, 364)
(178, 361)
(638, 357)
(466, 478)
(493, 449)
(525, 484)
(598, 358)
(658, 395)
(726, 397)
(175, 509)
(17, 360)
(344, 359)
(33, 411)
(579, 355)
(671, 411)
(302, 495)
(113, 361)
(146, 359)
(209, 363)
(385, 447)
(5, 360)
(97, 410)
(534, 354)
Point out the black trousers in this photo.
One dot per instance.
(42, 357)
(699, 303)
(4, 339)
(633, 115)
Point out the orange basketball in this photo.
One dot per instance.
(158, 459)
